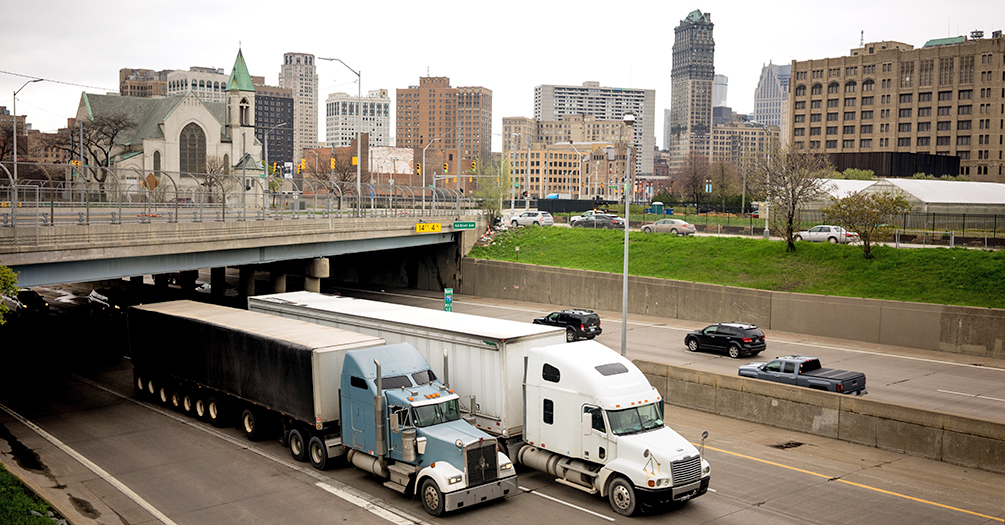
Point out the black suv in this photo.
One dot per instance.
(735, 338)
(577, 323)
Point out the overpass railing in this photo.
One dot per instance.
(47, 195)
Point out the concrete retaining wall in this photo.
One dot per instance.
(957, 329)
(970, 442)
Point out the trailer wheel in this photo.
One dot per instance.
(297, 446)
(253, 424)
(432, 498)
(622, 496)
(216, 412)
(164, 395)
(200, 408)
(318, 453)
(151, 387)
(139, 386)
(176, 399)
(187, 403)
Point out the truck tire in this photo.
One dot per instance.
(622, 496)
(187, 403)
(164, 395)
(318, 453)
(432, 498)
(252, 425)
(216, 411)
(151, 388)
(139, 386)
(734, 351)
(298, 447)
(176, 399)
(200, 409)
(570, 335)
(692, 345)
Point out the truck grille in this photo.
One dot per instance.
(482, 462)
(687, 470)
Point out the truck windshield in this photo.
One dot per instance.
(425, 416)
(636, 419)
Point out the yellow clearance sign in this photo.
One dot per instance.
(428, 228)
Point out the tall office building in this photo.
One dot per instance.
(691, 77)
(771, 98)
(432, 113)
(944, 99)
(208, 83)
(720, 84)
(274, 116)
(552, 103)
(342, 116)
(299, 74)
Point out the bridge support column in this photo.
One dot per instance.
(246, 282)
(136, 282)
(161, 281)
(316, 270)
(187, 280)
(217, 281)
(278, 280)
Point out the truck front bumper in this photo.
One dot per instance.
(499, 488)
(658, 498)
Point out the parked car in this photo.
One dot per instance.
(736, 339)
(576, 218)
(26, 302)
(181, 201)
(578, 324)
(600, 220)
(824, 232)
(533, 218)
(674, 226)
(806, 371)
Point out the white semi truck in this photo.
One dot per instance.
(578, 411)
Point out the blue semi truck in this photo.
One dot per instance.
(324, 392)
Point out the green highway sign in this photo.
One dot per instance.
(461, 225)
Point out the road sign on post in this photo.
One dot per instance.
(448, 300)
(464, 225)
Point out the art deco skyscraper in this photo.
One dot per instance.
(299, 74)
(691, 76)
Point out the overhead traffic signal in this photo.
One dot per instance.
(418, 168)
(474, 166)
(445, 167)
(333, 163)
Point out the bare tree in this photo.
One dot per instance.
(724, 180)
(868, 214)
(100, 136)
(790, 178)
(216, 165)
(7, 141)
(691, 176)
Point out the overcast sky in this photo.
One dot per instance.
(508, 47)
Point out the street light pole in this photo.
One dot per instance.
(359, 133)
(579, 156)
(14, 189)
(424, 174)
(629, 119)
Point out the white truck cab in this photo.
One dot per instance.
(623, 450)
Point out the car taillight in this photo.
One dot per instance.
(840, 387)
(582, 328)
(747, 340)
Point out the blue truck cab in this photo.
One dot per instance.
(401, 423)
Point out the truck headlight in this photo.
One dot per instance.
(706, 470)
(455, 479)
(506, 466)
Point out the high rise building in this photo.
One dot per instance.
(771, 97)
(208, 83)
(299, 74)
(142, 82)
(552, 103)
(342, 116)
(691, 75)
(945, 98)
(432, 113)
(274, 115)
(720, 83)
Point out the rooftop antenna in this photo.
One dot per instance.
(861, 39)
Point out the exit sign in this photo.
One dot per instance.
(464, 225)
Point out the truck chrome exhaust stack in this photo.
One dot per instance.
(378, 408)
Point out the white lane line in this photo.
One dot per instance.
(350, 494)
(978, 396)
(567, 504)
(664, 327)
(92, 467)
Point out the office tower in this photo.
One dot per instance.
(341, 118)
(691, 74)
(299, 74)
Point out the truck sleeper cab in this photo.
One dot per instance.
(624, 450)
(426, 448)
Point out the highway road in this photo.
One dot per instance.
(70, 423)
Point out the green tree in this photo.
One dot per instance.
(790, 178)
(8, 286)
(868, 214)
(493, 188)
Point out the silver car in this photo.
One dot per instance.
(827, 233)
(674, 226)
(533, 218)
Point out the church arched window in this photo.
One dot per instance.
(157, 161)
(226, 164)
(192, 149)
(245, 112)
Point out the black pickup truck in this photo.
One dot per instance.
(806, 371)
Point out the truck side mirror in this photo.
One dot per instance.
(587, 423)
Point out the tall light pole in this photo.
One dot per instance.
(629, 119)
(359, 134)
(424, 174)
(579, 157)
(15, 131)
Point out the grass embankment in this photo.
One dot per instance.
(932, 275)
(16, 501)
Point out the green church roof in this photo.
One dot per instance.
(945, 41)
(239, 77)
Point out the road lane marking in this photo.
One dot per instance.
(654, 325)
(346, 492)
(121, 487)
(567, 504)
(867, 487)
(971, 395)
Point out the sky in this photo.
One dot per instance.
(508, 47)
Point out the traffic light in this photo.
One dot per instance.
(445, 167)
(333, 162)
(275, 167)
(303, 166)
(474, 166)
(418, 168)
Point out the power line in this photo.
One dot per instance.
(59, 81)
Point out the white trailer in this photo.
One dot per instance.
(578, 411)
(479, 357)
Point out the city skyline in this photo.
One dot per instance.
(73, 59)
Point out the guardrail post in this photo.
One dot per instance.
(80, 218)
(195, 217)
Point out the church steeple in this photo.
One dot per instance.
(240, 80)
(240, 97)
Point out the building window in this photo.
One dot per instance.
(799, 132)
(965, 110)
(945, 110)
(814, 144)
(817, 89)
(867, 101)
(906, 74)
(945, 72)
(832, 103)
(945, 95)
(848, 130)
(966, 69)
(800, 118)
(925, 72)
(905, 98)
(904, 127)
(832, 130)
(800, 91)
(924, 141)
(848, 143)
(548, 412)
(816, 104)
(925, 97)
(924, 112)
(869, 70)
(814, 131)
(966, 94)
(192, 149)
(868, 85)
(850, 87)
(944, 125)
(832, 144)
(849, 102)
(904, 142)
(867, 115)
(815, 117)
(905, 113)
(849, 115)
(963, 140)
(801, 104)
(865, 143)
(833, 87)
(963, 124)
(866, 128)
(924, 126)
(831, 117)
